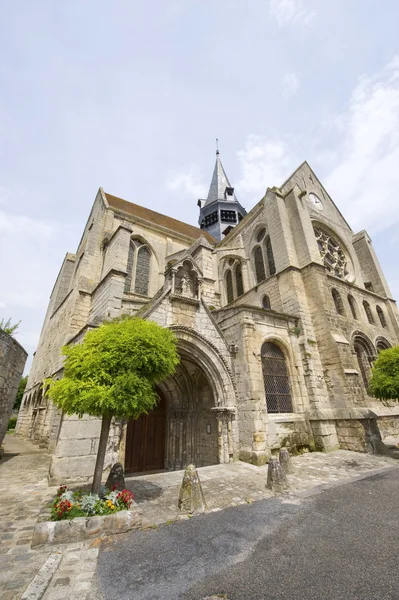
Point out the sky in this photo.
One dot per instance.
(130, 96)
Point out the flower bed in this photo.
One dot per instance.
(69, 504)
(77, 516)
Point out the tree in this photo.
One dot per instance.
(20, 392)
(113, 373)
(7, 327)
(384, 382)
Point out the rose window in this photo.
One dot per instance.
(332, 254)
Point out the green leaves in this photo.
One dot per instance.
(114, 370)
(384, 383)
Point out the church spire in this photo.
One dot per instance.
(220, 211)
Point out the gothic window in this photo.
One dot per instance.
(368, 312)
(270, 257)
(239, 281)
(266, 302)
(259, 265)
(229, 286)
(276, 380)
(352, 305)
(138, 268)
(333, 256)
(364, 360)
(339, 307)
(381, 316)
(142, 278)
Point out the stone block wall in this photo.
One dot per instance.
(12, 362)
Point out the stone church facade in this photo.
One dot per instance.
(278, 314)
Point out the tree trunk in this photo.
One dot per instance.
(102, 448)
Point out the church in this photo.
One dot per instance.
(278, 312)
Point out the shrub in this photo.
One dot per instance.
(12, 422)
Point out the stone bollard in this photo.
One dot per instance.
(276, 479)
(191, 497)
(116, 479)
(285, 460)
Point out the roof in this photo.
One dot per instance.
(219, 184)
(157, 218)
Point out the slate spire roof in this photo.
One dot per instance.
(219, 183)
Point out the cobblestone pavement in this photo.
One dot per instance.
(24, 489)
(240, 483)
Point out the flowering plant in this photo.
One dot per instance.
(68, 504)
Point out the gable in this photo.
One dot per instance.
(306, 179)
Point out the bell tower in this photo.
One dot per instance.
(221, 210)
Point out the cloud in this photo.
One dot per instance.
(365, 176)
(290, 84)
(290, 13)
(26, 226)
(187, 183)
(263, 162)
(360, 169)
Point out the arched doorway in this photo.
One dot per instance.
(182, 429)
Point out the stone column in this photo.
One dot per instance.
(225, 417)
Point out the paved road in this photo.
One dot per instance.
(340, 544)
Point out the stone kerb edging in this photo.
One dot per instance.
(84, 528)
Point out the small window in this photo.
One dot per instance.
(339, 307)
(228, 216)
(368, 312)
(381, 316)
(266, 302)
(229, 286)
(229, 192)
(259, 265)
(352, 305)
(369, 286)
(211, 219)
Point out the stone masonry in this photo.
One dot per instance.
(12, 362)
(278, 322)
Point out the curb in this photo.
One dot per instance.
(39, 584)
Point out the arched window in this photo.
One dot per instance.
(269, 254)
(138, 268)
(266, 302)
(368, 312)
(239, 282)
(364, 359)
(339, 307)
(276, 380)
(229, 286)
(382, 344)
(259, 265)
(381, 316)
(352, 305)
(142, 279)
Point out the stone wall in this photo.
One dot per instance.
(12, 362)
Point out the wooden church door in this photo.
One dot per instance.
(145, 441)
